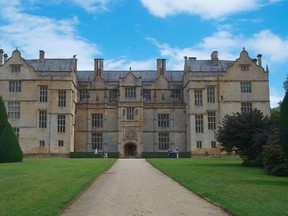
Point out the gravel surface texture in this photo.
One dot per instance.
(134, 187)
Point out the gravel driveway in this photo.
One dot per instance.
(134, 187)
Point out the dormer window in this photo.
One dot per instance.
(244, 67)
(15, 68)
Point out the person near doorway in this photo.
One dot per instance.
(177, 152)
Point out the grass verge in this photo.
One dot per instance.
(240, 190)
(45, 186)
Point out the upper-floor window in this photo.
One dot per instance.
(14, 86)
(83, 94)
(130, 92)
(245, 87)
(61, 124)
(164, 141)
(163, 120)
(212, 120)
(246, 106)
(244, 67)
(43, 93)
(61, 98)
(130, 114)
(42, 118)
(97, 141)
(14, 110)
(97, 120)
(146, 94)
(211, 94)
(113, 95)
(15, 68)
(176, 94)
(198, 97)
(199, 124)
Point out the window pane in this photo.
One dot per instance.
(14, 110)
(130, 92)
(61, 123)
(199, 124)
(198, 97)
(130, 114)
(43, 94)
(211, 120)
(61, 98)
(14, 86)
(211, 94)
(42, 119)
(97, 120)
(164, 141)
(163, 120)
(146, 94)
(97, 141)
(113, 95)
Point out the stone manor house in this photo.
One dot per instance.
(56, 109)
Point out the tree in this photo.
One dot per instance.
(283, 123)
(10, 150)
(247, 132)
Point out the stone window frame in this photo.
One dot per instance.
(130, 113)
(199, 144)
(15, 68)
(163, 140)
(61, 123)
(199, 125)
(211, 120)
(246, 87)
(213, 144)
(61, 98)
(42, 118)
(130, 92)
(83, 95)
(146, 94)
(176, 94)
(15, 86)
(60, 143)
(43, 93)
(14, 108)
(97, 140)
(246, 106)
(210, 94)
(198, 95)
(41, 143)
(97, 120)
(113, 95)
(163, 120)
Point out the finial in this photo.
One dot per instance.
(244, 49)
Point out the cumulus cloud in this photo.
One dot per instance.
(58, 38)
(92, 6)
(207, 9)
(125, 64)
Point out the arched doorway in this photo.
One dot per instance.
(130, 150)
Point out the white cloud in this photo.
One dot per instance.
(58, 38)
(92, 6)
(275, 97)
(125, 64)
(207, 9)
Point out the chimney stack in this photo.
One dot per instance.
(259, 56)
(161, 67)
(1, 56)
(5, 57)
(41, 55)
(98, 67)
(214, 58)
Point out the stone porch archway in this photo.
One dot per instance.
(130, 150)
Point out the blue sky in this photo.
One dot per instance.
(134, 33)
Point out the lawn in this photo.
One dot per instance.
(45, 186)
(240, 190)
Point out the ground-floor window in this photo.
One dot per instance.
(199, 144)
(97, 141)
(213, 144)
(163, 140)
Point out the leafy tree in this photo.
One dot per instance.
(10, 150)
(246, 132)
(275, 115)
(274, 159)
(283, 123)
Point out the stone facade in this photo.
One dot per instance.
(59, 109)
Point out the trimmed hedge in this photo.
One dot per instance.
(164, 155)
(92, 155)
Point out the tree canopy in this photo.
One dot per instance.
(10, 150)
(246, 132)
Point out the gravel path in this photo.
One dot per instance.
(134, 187)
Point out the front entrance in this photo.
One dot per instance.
(130, 150)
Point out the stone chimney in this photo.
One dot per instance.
(41, 55)
(214, 58)
(1, 56)
(259, 56)
(161, 67)
(5, 57)
(98, 67)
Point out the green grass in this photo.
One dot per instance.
(240, 190)
(45, 186)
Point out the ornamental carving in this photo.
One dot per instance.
(130, 134)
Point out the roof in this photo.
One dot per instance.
(53, 65)
(207, 65)
(146, 76)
